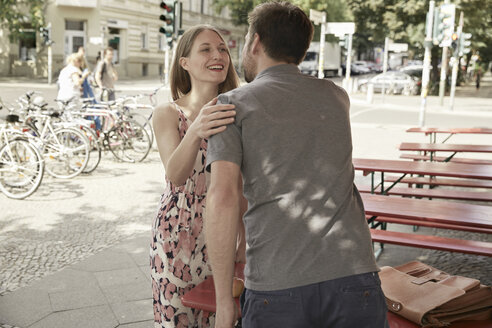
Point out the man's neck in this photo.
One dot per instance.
(266, 62)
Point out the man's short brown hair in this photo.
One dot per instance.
(284, 29)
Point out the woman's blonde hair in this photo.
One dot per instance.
(180, 79)
(75, 57)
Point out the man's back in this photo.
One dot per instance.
(305, 222)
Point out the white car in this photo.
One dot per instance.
(393, 82)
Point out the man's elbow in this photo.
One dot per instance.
(222, 197)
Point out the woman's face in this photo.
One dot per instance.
(208, 60)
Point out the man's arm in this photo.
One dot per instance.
(221, 230)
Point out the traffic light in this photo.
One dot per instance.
(444, 25)
(168, 17)
(343, 42)
(46, 34)
(464, 43)
(454, 42)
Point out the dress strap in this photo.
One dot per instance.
(181, 112)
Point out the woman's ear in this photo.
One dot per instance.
(183, 62)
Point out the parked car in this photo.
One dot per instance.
(393, 82)
(356, 69)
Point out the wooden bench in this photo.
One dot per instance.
(417, 157)
(433, 181)
(482, 196)
(454, 148)
(432, 242)
(428, 224)
(431, 211)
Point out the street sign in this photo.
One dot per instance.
(340, 29)
(398, 47)
(317, 17)
(96, 40)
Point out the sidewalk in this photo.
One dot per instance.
(113, 288)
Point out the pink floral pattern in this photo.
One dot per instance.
(178, 256)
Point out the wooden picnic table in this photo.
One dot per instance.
(432, 148)
(433, 131)
(454, 170)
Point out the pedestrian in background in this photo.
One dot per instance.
(201, 70)
(86, 87)
(71, 78)
(478, 74)
(106, 75)
(309, 261)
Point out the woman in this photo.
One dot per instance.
(71, 78)
(201, 70)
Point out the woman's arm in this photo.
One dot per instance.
(178, 156)
(77, 79)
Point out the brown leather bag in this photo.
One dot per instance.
(433, 298)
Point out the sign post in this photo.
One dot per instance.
(319, 17)
(427, 62)
(339, 30)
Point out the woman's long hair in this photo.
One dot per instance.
(180, 79)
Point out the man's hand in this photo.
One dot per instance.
(226, 314)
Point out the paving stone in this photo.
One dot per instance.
(122, 276)
(93, 317)
(142, 324)
(75, 299)
(105, 261)
(135, 311)
(24, 307)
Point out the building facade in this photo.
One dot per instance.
(131, 27)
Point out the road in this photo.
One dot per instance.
(66, 221)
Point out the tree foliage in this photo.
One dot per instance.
(17, 15)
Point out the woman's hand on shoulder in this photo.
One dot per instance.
(212, 119)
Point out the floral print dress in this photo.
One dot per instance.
(178, 256)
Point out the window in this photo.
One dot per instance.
(74, 25)
(145, 69)
(143, 39)
(27, 44)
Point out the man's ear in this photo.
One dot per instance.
(256, 44)
(183, 62)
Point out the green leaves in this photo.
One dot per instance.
(16, 15)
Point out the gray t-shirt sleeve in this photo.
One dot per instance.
(226, 145)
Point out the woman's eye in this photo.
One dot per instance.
(205, 49)
(223, 50)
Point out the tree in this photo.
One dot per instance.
(336, 10)
(16, 16)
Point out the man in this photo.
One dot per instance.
(106, 75)
(309, 261)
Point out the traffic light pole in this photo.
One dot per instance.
(444, 69)
(50, 61)
(456, 64)
(385, 62)
(427, 61)
(321, 63)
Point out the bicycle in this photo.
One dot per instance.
(65, 149)
(21, 164)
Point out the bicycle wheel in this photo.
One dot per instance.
(145, 122)
(66, 153)
(94, 149)
(129, 141)
(21, 169)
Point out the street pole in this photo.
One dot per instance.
(456, 64)
(385, 62)
(321, 63)
(427, 62)
(50, 61)
(444, 68)
(348, 64)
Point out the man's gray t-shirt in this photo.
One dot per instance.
(292, 140)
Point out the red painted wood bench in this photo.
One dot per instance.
(430, 224)
(482, 196)
(434, 147)
(417, 157)
(202, 297)
(433, 181)
(432, 242)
